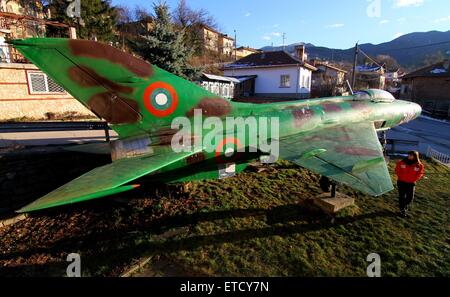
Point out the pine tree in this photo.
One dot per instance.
(164, 46)
(98, 18)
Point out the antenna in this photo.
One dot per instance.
(284, 38)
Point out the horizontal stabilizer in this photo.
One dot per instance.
(101, 148)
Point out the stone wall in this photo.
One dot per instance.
(17, 102)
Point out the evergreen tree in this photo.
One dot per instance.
(164, 46)
(98, 18)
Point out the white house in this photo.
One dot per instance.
(219, 85)
(278, 73)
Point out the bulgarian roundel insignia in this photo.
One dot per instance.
(160, 99)
(227, 150)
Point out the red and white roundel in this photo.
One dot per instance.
(160, 99)
(227, 150)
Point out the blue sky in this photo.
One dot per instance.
(330, 23)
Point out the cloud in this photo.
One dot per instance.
(271, 35)
(339, 25)
(444, 19)
(408, 3)
(276, 25)
(384, 22)
(397, 35)
(247, 14)
(401, 20)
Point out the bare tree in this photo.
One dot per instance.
(190, 21)
(124, 15)
(186, 17)
(389, 62)
(141, 13)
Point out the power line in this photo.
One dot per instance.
(369, 57)
(405, 48)
(419, 46)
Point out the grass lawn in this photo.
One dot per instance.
(255, 224)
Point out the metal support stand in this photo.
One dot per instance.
(384, 141)
(333, 195)
(108, 138)
(333, 190)
(332, 204)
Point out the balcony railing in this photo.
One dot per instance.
(5, 24)
(8, 54)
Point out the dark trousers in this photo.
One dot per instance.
(405, 194)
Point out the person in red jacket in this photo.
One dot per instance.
(409, 171)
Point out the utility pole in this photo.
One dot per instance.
(354, 66)
(284, 39)
(235, 46)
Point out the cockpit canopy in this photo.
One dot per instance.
(374, 95)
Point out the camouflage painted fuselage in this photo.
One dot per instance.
(140, 102)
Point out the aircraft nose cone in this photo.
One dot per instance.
(417, 110)
(408, 111)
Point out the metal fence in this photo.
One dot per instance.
(399, 146)
(438, 156)
(17, 127)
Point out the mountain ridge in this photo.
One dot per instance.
(410, 50)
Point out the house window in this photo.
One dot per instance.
(39, 83)
(285, 81)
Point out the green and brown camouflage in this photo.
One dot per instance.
(335, 137)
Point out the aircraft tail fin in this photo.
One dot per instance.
(129, 93)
